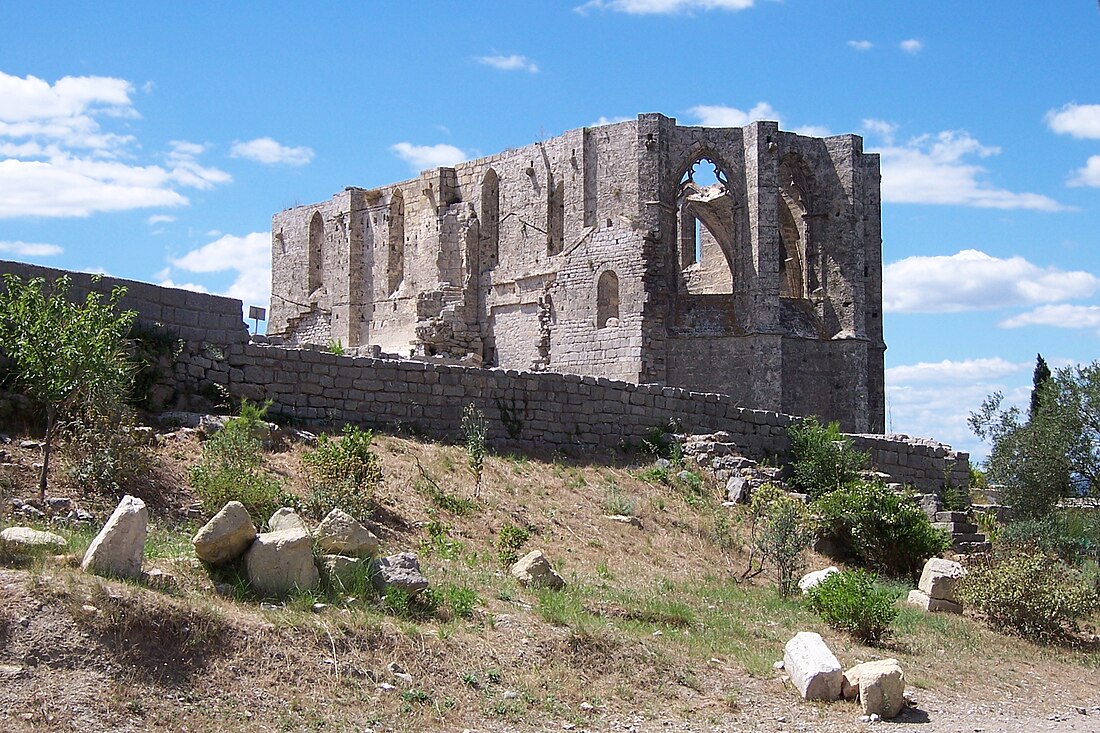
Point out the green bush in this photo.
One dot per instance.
(509, 542)
(342, 473)
(822, 458)
(851, 601)
(1074, 536)
(100, 452)
(231, 469)
(1028, 592)
(781, 531)
(888, 533)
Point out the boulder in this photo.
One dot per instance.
(882, 688)
(281, 562)
(226, 536)
(737, 489)
(27, 540)
(809, 580)
(286, 518)
(119, 546)
(340, 534)
(401, 571)
(921, 600)
(814, 669)
(849, 684)
(342, 572)
(938, 579)
(534, 570)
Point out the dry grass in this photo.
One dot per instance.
(651, 626)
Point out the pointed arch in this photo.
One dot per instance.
(706, 239)
(315, 253)
(395, 262)
(795, 206)
(490, 217)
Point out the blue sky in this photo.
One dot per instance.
(155, 141)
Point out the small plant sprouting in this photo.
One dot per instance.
(475, 431)
(335, 347)
(509, 542)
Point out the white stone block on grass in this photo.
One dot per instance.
(118, 548)
(226, 536)
(809, 580)
(921, 600)
(814, 669)
(939, 577)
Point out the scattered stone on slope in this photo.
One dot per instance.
(813, 668)
(400, 571)
(226, 536)
(118, 548)
(27, 540)
(286, 518)
(278, 563)
(341, 534)
(881, 686)
(534, 570)
(938, 579)
(809, 580)
(341, 571)
(923, 601)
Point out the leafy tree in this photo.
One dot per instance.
(823, 458)
(65, 355)
(781, 531)
(1053, 454)
(1039, 379)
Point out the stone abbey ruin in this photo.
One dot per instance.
(597, 253)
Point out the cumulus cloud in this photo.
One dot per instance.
(940, 169)
(30, 249)
(160, 219)
(972, 280)
(270, 152)
(1089, 175)
(1063, 315)
(426, 157)
(248, 256)
(861, 45)
(717, 115)
(56, 160)
(609, 121)
(1082, 121)
(663, 7)
(515, 62)
(955, 371)
(911, 46)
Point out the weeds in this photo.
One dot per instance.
(475, 432)
(342, 473)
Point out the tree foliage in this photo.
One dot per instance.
(65, 355)
(823, 458)
(782, 530)
(1053, 453)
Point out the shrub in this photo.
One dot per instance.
(231, 468)
(509, 542)
(851, 601)
(475, 433)
(1028, 592)
(1073, 536)
(100, 452)
(823, 460)
(782, 531)
(888, 533)
(342, 473)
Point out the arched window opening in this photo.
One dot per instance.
(395, 267)
(315, 252)
(490, 217)
(706, 228)
(796, 279)
(607, 300)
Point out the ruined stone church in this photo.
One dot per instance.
(745, 261)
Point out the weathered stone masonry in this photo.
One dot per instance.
(525, 410)
(599, 253)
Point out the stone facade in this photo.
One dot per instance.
(603, 253)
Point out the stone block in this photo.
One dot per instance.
(921, 600)
(809, 580)
(226, 536)
(278, 563)
(118, 548)
(814, 670)
(938, 578)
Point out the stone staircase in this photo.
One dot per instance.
(965, 536)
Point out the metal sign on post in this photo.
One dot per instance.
(257, 314)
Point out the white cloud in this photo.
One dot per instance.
(426, 157)
(812, 131)
(249, 256)
(861, 45)
(30, 249)
(1087, 176)
(1057, 316)
(954, 371)
(972, 280)
(160, 219)
(270, 152)
(515, 62)
(193, 287)
(663, 7)
(1079, 120)
(938, 169)
(57, 161)
(717, 115)
(610, 121)
(911, 45)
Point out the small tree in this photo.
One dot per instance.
(64, 354)
(782, 530)
(475, 432)
(822, 458)
(1039, 379)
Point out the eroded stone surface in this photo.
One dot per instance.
(881, 688)
(25, 539)
(921, 600)
(809, 580)
(286, 518)
(401, 571)
(939, 577)
(118, 548)
(278, 563)
(226, 536)
(534, 570)
(341, 534)
(813, 668)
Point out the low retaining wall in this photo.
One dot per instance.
(524, 410)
